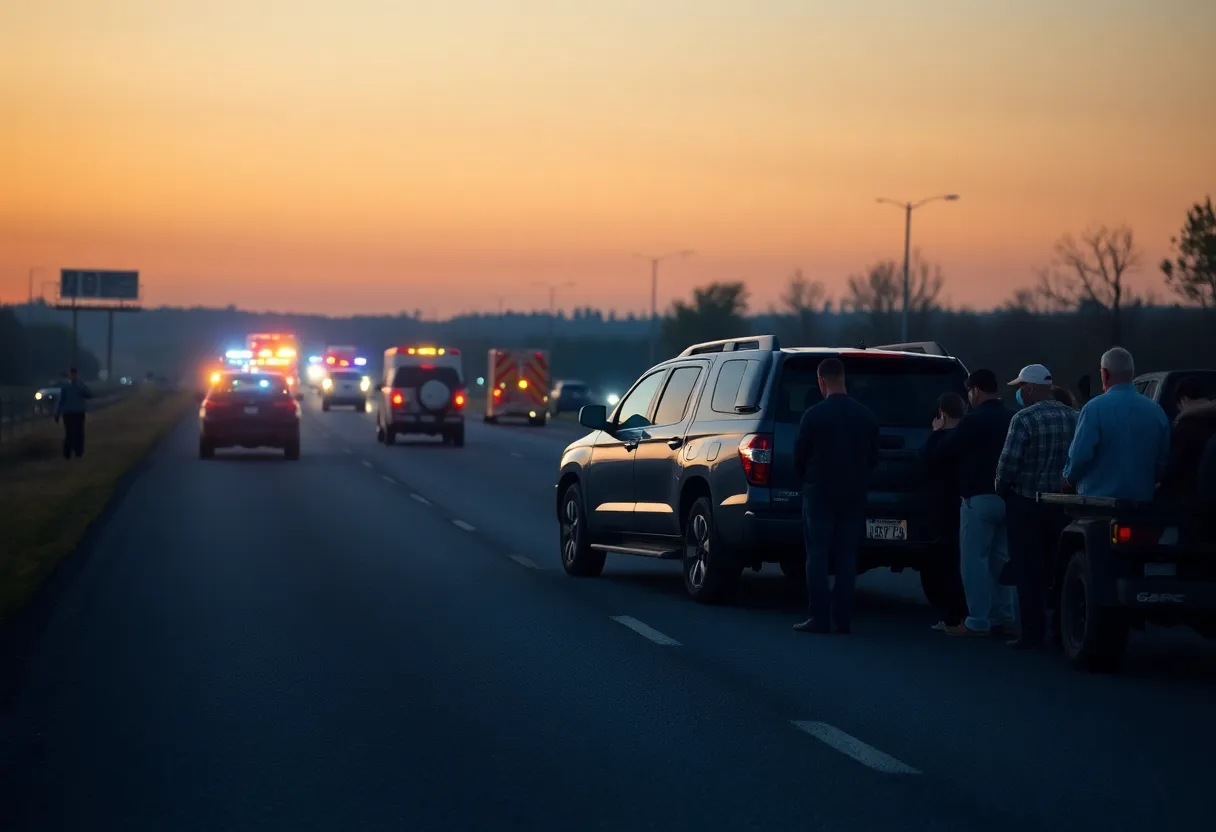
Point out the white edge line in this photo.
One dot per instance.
(525, 561)
(421, 499)
(850, 746)
(387, 478)
(460, 524)
(645, 630)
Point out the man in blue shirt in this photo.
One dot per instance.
(1122, 443)
(71, 407)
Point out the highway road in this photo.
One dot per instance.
(383, 638)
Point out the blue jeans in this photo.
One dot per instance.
(984, 548)
(832, 535)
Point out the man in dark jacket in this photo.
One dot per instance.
(836, 447)
(973, 449)
(939, 574)
(1193, 429)
(70, 406)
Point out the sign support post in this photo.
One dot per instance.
(98, 291)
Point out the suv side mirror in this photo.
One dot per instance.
(593, 416)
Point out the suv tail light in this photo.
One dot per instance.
(498, 392)
(1135, 535)
(756, 454)
(458, 399)
(397, 399)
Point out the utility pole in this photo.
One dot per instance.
(654, 294)
(908, 208)
(552, 287)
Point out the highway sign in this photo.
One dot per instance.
(94, 284)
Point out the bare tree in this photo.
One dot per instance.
(1092, 272)
(1027, 301)
(879, 293)
(802, 300)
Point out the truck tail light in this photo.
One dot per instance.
(1139, 535)
(756, 455)
(498, 392)
(458, 399)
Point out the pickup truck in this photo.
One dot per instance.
(1121, 565)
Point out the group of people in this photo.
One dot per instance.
(986, 465)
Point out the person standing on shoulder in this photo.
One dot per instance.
(836, 447)
(71, 408)
(939, 572)
(1122, 443)
(1032, 461)
(973, 449)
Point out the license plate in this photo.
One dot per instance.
(428, 418)
(251, 411)
(1160, 570)
(887, 529)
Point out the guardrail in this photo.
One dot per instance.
(21, 414)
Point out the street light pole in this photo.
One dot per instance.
(553, 287)
(654, 293)
(908, 208)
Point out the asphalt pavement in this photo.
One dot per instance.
(382, 638)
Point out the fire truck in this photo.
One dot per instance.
(277, 352)
(518, 385)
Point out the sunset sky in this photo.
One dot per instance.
(379, 155)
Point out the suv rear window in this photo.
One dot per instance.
(417, 376)
(902, 392)
(250, 384)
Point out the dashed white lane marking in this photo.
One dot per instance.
(387, 478)
(366, 464)
(517, 454)
(460, 524)
(645, 630)
(850, 746)
(421, 499)
(348, 450)
(523, 561)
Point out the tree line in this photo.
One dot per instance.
(36, 353)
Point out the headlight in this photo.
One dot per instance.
(365, 384)
(315, 373)
(613, 399)
(326, 383)
(38, 395)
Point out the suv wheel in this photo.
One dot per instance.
(710, 570)
(1093, 638)
(458, 437)
(578, 558)
(794, 570)
(205, 449)
(325, 405)
(379, 431)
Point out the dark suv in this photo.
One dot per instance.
(696, 463)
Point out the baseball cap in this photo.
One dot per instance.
(982, 380)
(1032, 374)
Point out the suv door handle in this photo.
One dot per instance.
(675, 442)
(632, 445)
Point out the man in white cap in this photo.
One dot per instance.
(1032, 461)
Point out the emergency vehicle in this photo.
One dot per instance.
(518, 385)
(277, 352)
(336, 358)
(423, 393)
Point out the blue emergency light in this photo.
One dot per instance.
(360, 362)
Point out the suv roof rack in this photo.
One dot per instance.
(766, 343)
(922, 347)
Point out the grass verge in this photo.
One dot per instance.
(48, 503)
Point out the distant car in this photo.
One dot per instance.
(569, 396)
(45, 398)
(345, 388)
(250, 410)
(696, 462)
(423, 393)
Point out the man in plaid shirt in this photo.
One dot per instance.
(1032, 461)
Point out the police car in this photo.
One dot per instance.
(423, 393)
(347, 388)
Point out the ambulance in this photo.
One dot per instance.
(422, 393)
(517, 385)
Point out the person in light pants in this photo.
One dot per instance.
(984, 546)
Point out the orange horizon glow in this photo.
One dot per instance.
(374, 156)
